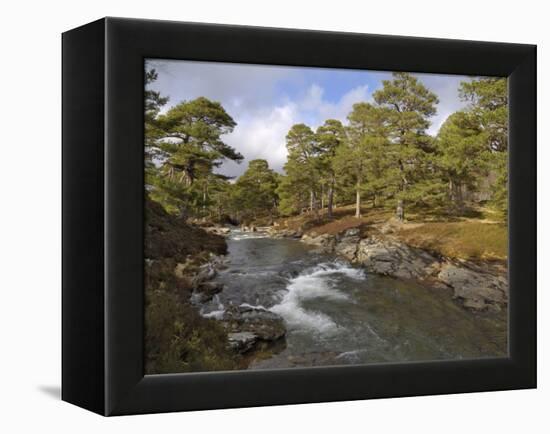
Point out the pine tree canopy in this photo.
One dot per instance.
(380, 155)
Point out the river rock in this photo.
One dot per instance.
(205, 273)
(478, 289)
(206, 291)
(250, 326)
(353, 232)
(325, 241)
(275, 232)
(348, 244)
(242, 341)
(392, 258)
(218, 230)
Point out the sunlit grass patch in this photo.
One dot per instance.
(464, 239)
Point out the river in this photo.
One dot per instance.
(335, 313)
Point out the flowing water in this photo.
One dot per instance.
(336, 313)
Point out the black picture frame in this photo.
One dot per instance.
(103, 199)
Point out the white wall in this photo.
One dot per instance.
(30, 81)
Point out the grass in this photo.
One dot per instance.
(478, 235)
(468, 239)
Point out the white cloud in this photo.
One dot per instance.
(446, 88)
(263, 135)
(239, 87)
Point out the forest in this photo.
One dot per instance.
(382, 157)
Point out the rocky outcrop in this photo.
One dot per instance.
(201, 278)
(242, 342)
(218, 230)
(325, 241)
(347, 244)
(276, 232)
(205, 291)
(393, 258)
(477, 286)
(251, 328)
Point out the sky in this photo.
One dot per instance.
(265, 101)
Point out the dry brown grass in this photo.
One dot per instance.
(468, 239)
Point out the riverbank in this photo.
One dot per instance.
(182, 263)
(467, 256)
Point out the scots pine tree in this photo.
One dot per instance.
(488, 98)
(409, 106)
(329, 138)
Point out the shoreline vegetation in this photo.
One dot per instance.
(379, 192)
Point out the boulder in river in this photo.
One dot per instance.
(205, 291)
(250, 327)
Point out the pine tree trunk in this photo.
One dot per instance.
(460, 199)
(358, 199)
(310, 200)
(400, 212)
(204, 200)
(315, 206)
(330, 199)
(457, 196)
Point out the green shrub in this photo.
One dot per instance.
(179, 339)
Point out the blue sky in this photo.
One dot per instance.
(266, 101)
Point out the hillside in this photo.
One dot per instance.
(178, 338)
